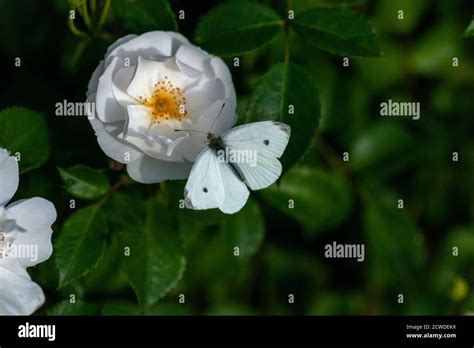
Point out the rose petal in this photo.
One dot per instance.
(121, 81)
(118, 43)
(111, 146)
(172, 144)
(94, 81)
(201, 97)
(148, 170)
(39, 241)
(33, 214)
(107, 108)
(149, 72)
(139, 121)
(152, 148)
(177, 40)
(189, 56)
(144, 146)
(189, 148)
(222, 72)
(18, 294)
(152, 45)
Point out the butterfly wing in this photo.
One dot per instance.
(268, 139)
(213, 184)
(204, 188)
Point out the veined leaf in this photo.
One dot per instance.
(287, 94)
(237, 26)
(149, 239)
(81, 243)
(24, 131)
(141, 16)
(338, 31)
(84, 182)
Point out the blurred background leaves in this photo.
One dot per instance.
(125, 248)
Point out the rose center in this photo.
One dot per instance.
(167, 102)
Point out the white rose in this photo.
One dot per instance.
(25, 240)
(145, 89)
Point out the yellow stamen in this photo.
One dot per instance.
(167, 102)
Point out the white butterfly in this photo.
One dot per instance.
(217, 181)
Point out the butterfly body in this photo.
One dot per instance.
(243, 158)
(216, 144)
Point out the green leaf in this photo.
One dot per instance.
(429, 58)
(288, 269)
(194, 222)
(245, 230)
(231, 309)
(395, 249)
(74, 4)
(454, 263)
(84, 182)
(329, 303)
(140, 16)
(470, 29)
(384, 71)
(66, 308)
(155, 263)
(387, 17)
(335, 3)
(81, 243)
(116, 307)
(105, 277)
(213, 265)
(321, 200)
(236, 27)
(303, 5)
(12, 41)
(283, 86)
(169, 308)
(24, 131)
(338, 31)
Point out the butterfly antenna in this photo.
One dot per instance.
(189, 130)
(217, 116)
